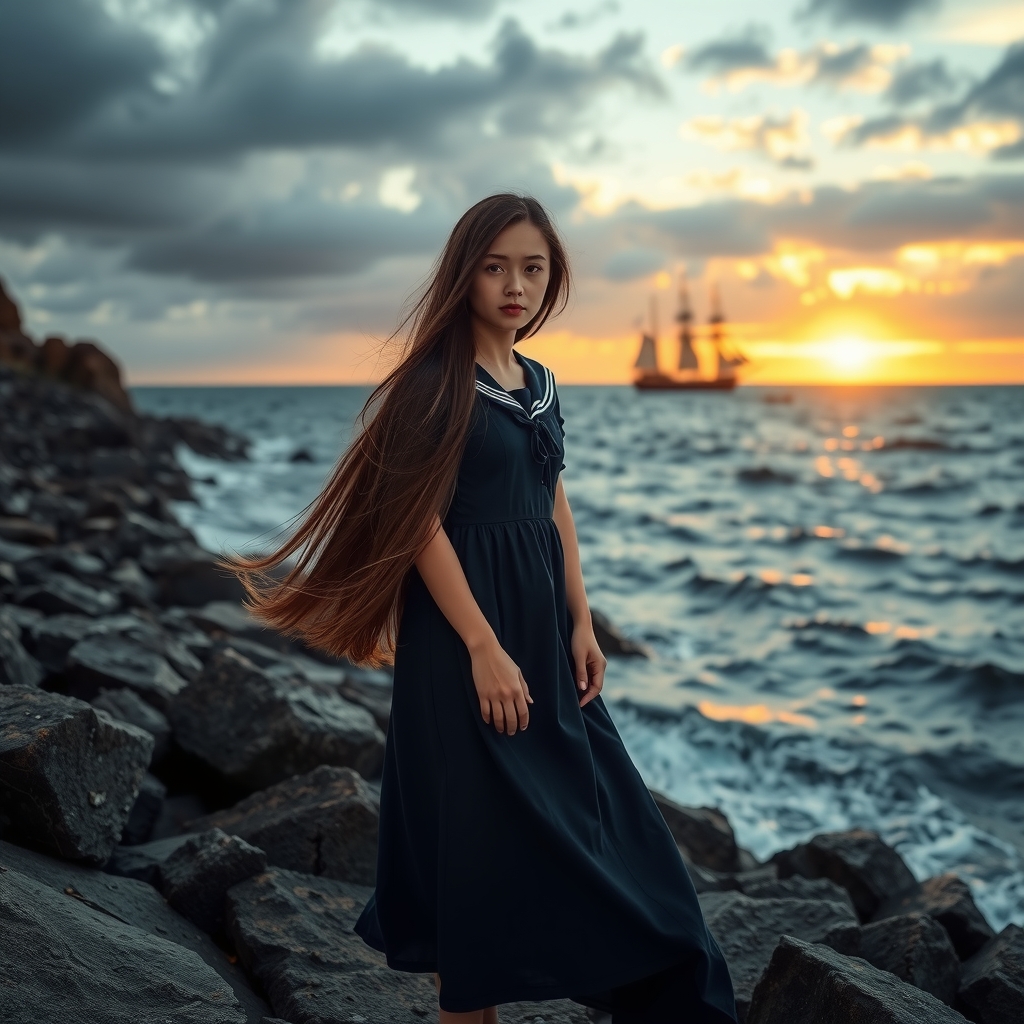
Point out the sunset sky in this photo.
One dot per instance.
(247, 191)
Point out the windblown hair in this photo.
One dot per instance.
(358, 539)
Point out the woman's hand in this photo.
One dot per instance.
(590, 662)
(504, 695)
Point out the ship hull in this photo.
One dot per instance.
(659, 382)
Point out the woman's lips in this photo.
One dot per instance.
(512, 309)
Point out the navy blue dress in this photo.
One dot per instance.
(534, 866)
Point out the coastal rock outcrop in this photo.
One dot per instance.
(69, 774)
(992, 986)
(63, 960)
(916, 948)
(810, 983)
(748, 930)
(868, 869)
(321, 823)
(704, 833)
(257, 729)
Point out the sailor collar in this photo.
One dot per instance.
(541, 386)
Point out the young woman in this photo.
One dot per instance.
(520, 856)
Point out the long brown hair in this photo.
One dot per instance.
(358, 539)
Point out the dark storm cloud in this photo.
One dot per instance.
(63, 60)
(915, 82)
(262, 86)
(1000, 94)
(748, 49)
(843, 64)
(292, 240)
(874, 12)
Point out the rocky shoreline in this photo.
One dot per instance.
(188, 809)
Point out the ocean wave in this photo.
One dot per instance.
(764, 475)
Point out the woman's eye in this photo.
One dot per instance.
(495, 266)
(533, 268)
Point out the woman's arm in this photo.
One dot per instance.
(590, 662)
(504, 695)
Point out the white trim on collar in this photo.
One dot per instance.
(541, 405)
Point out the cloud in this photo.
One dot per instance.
(783, 140)
(987, 119)
(746, 58)
(874, 12)
(259, 84)
(920, 82)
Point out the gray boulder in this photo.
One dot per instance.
(809, 983)
(257, 729)
(144, 861)
(58, 592)
(127, 706)
(916, 948)
(868, 869)
(188, 576)
(294, 935)
(321, 823)
(797, 887)
(704, 833)
(62, 960)
(133, 903)
(948, 899)
(111, 660)
(17, 666)
(54, 636)
(69, 774)
(749, 929)
(196, 876)
(992, 986)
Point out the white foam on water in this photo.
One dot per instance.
(781, 785)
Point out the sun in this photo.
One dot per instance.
(848, 352)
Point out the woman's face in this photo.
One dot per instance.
(509, 285)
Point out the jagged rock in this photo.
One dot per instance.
(915, 948)
(948, 899)
(127, 706)
(133, 903)
(294, 934)
(257, 730)
(188, 576)
(110, 659)
(17, 666)
(748, 930)
(796, 887)
(69, 774)
(374, 696)
(54, 636)
(198, 874)
(992, 985)
(868, 869)
(144, 861)
(58, 593)
(145, 811)
(809, 983)
(62, 960)
(87, 366)
(703, 832)
(611, 640)
(322, 823)
(137, 589)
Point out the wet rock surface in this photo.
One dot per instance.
(948, 899)
(748, 930)
(992, 985)
(69, 774)
(869, 870)
(132, 903)
(809, 983)
(62, 960)
(704, 833)
(257, 729)
(321, 823)
(916, 948)
(127, 706)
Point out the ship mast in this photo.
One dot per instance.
(687, 357)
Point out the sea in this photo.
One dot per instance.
(829, 582)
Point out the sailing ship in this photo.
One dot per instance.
(727, 357)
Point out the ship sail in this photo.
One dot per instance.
(647, 360)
